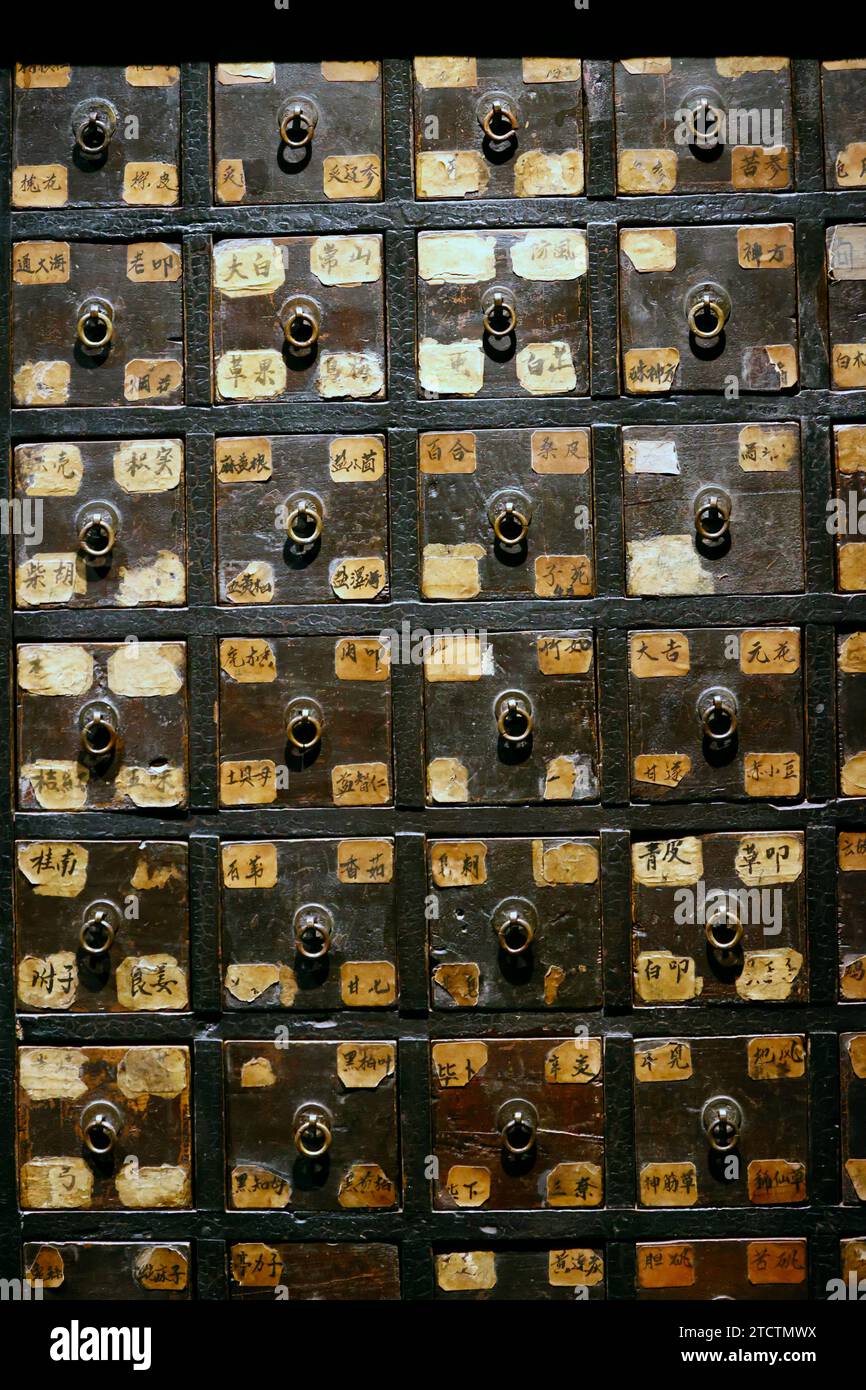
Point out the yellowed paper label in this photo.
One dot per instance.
(244, 267)
(356, 458)
(563, 576)
(248, 660)
(365, 861)
(251, 783)
(54, 668)
(574, 1268)
(852, 850)
(451, 571)
(235, 74)
(42, 383)
(257, 1073)
(573, 1062)
(49, 470)
(152, 76)
(849, 365)
(850, 165)
(49, 578)
(151, 378)
(759, 166)
(852, 978)
(152, 786)
(451, 369)
(556, 862)
(48, 982)
(770, 653)
(447, 780)
(774, 1181)
(666, 1266)
(772, 774)
(249, 981)
(153, 1071)
(558, 254)
(857, 1055)
(662, 769)
(766, 859)
(660, 977)
(775, 1059)
(350, 72)
(668, 1185)
(766, 248)
(231, 181)
(769, 975)
(468, 1186)
(650, 248)
(253, 865)
(445, 72)
(40, 186)
(346, 260)
(447, 453)
(256, 1266)
(666, 565)
(253, 584)
(368, 984)
(364, 1066)
(649, 371)
(852, 653)
(668, 1061)
(462, 1270)
(856, 1170)
(52, 1073)
(251, 375)
(450, 173)
(461, 981)
(738, 67)
(150, 185)
(568, 655)
(646, 171)
(765, 449)
(41, 75)
(458, 657)
(456, 258)
(646, 67)
(776, 1262)
(361, 659)
(852, 566)
(551, 69)
(458, 863)
(658, 653)
(55, 868)
(57, 785)
(40, 262)
(145, 466)
(560, 451)
(46, 1268)
(354, 374)
(146, 669)
(153, 262)
(668, 863)
(150, 983)
(358, 577)
(457, 1063)
(253, 1187)
(352, 176)
(54, 1183)
(575, 1185)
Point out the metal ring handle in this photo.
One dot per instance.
(305, 509)
(518, 1127)
(313, 1120)
(301, 321)
(513, 921)
(304, 714)
(101, 1123)
(722, 1120)
(718, 311)
(696, 117)
(297, 122)
(102, 524)
(98, 736)
(499, 312)
(514, 717)
(507, 518)
(499, 111)
(717, 915)
(93, 125)
(313, 924)
(98, 920)
(100, 312)
(717, 706)
(713, 503)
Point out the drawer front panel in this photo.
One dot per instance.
(320, 707)
(97, 323)
(102, 726)
(851, 711)
(506, 514)
(308, 924)
(332, 1272)
(503, 313)
(299, 318)
(312, 1126)
(111, 1270)
(727, 705)
(695, 125)
(109, 524)
(96, 137)
(297, 132)
(712, 509)
(853, 1117)
(104, 1127)
(518, 1123)
(515, 1273)
(768, 1269)
(302, 519)
(850, 899)
(721, 1122)
(843, 88)
(498, 127)
(517, 924)
(719, 919)
(846, 512)
(700, 305)
(101, 926)
(846, 293)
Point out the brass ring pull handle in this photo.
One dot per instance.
(98, 731)
(301, 321)
(304, 521)
(297, 121)
(101, 1124)
(515, 922)
(722, 1121)
(708, 308)
(724, 930)
(713, 515)
(95, 327)
(97, 532)
(515, 719)
(313, 1131)
(93, 125)
(518, 1127)
(314, 930)
(717, 710)
(499, 312)
(97, 930)
(510, 514)
(304, 724)
(704, 122)
(498, 118)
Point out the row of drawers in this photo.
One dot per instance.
(311, 925)
(483, 128)
(715, 508)
(517, 1124)
(776, 1269)
(508, 718)
(500, 313)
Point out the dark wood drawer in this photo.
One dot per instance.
(110, 1270)
(768, 1270)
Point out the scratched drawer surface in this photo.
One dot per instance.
(108, 524)
(104, 1127)
(518, 1273)
(721, 1122)
(518, 1123)
(850, 900)
(515, 924)
(700, 306)
(727, 706)
(853, 1047)
(719, 919)
(846, 296)
(511, 718)
(308, 924)
(848, 507)
(101, 926)
(299, 318)
(506, 514)
(302, 519)
(305, 721)
(696, 125)
(503, 313)
(95, 136)
(101, 725)
(110, 1270)
(712, 509)
(297, 132)
(97, 323)
(843, 88)
(767, 1269)
(312, 1126)
(311, 1271)
(850, 711)
(498, 127)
